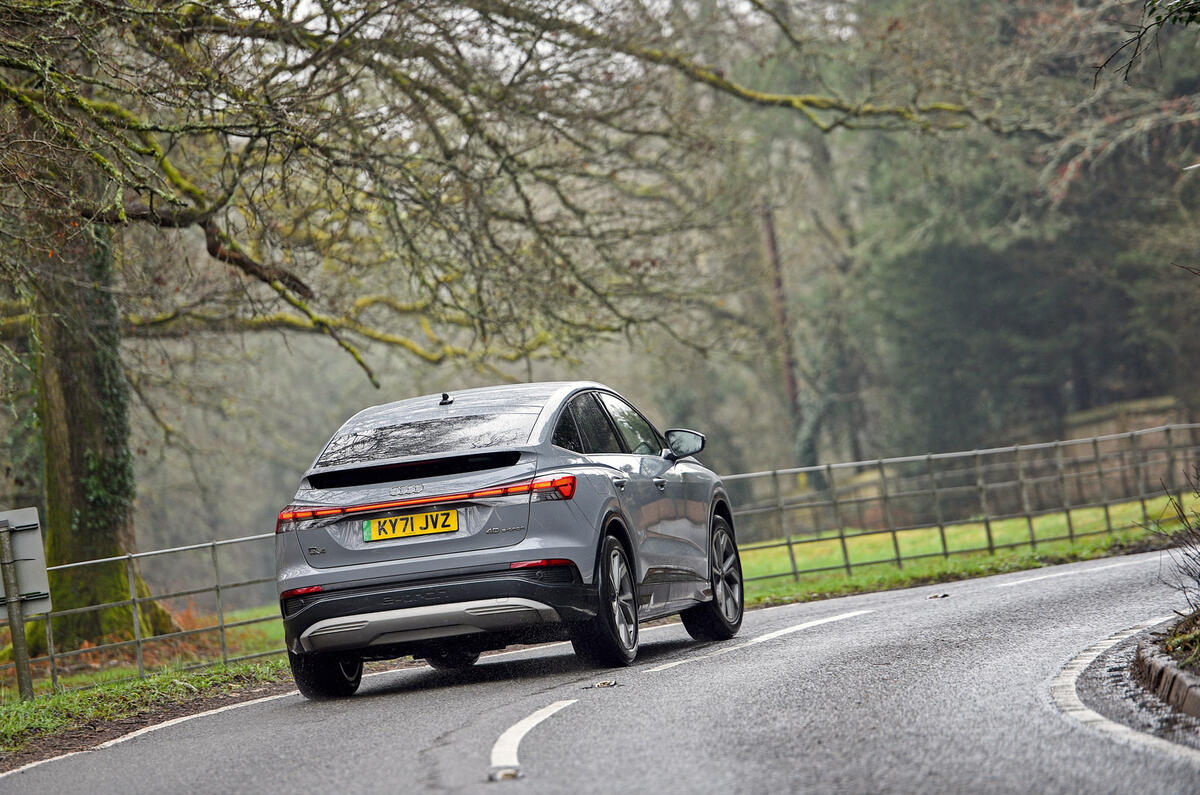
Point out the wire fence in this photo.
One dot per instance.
(208, 628)
(790, 523)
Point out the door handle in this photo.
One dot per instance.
(620, 482)
(661, 483)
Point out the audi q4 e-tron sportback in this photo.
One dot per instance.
(446, 525)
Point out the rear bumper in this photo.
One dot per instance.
(413, 624)
(403, 614)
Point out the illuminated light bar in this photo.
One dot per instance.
(301, 591)
(563, 486)
(533, 564)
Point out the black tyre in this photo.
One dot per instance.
(720, 618)
(611, 638)
(323, 676)
(452, 659)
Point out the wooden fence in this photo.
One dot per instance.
(836, 505)
(898, 497)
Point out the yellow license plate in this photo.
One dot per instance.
(414, 524)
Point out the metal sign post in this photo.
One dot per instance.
(26, 584)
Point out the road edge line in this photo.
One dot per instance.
(1073, 572)
(756, 640)
(148, 730)
(1065, 696)
(184, 718)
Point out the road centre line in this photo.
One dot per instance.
(504, 752)
(1070, 573)
(760, 639)
(1065, 697)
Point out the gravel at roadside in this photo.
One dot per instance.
(1108, 687)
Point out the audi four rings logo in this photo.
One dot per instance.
(404, 491)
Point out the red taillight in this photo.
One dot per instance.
(300, 591)
(559, 488)
(533, 564)
(290, 514)
(565, 486)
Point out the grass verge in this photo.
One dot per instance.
(1183, 643)
(26, 722)
(964, 554)
(51, 721)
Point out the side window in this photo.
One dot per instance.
(566, 433)
(594, 427)
(638, 434)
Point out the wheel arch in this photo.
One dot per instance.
(615, 526)
(721, 508)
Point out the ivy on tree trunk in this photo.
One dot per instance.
(83, 404)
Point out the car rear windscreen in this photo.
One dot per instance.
(427, 437)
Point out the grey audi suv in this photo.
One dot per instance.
(447, 525)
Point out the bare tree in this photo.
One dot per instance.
(467, 181)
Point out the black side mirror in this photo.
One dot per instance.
(682, 443)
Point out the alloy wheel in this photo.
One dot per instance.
(624, 610)
(726, 577)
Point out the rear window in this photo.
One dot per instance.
(427, 437)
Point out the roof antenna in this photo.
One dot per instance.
(446, 399)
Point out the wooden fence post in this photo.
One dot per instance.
(220, 604)
(1139, 475)
(983, 504)
(887, 512)
(937, 504)
(50, 653)
(1064, 497)
(783, 528)
(135, 611)
(837, 515)
(1025, 497)
(1103, 485)
(1172, 483)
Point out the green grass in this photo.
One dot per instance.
(872, 553)
(255, 638)
(1183, 642)
(22, 722)
(117, 693)
(104, 669)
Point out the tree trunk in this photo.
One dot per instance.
(805, 426)
(83, 402)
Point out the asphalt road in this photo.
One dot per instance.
(917, 695)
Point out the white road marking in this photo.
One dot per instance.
(1066, 698)
(184, 718)
(1070, 573)
(504, 752)
(760, 639)
(149, 729)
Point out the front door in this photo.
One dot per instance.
(682, 555)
